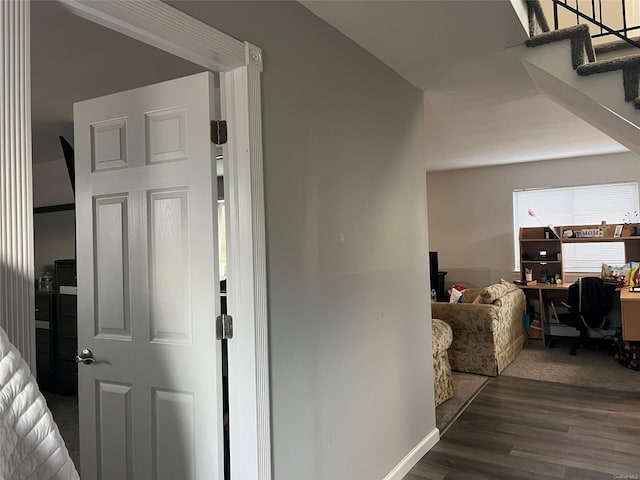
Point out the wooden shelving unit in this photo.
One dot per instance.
(533, 241)
(541, 252)
(631, 241)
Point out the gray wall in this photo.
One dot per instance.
(54, 239)
(51, 184)
(471, 210)
(350, 335)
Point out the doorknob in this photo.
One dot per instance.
(86, 357)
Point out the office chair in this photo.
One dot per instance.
(589, 301)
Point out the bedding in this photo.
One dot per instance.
(31, 446)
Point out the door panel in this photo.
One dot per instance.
(112, 262)
(150, 407)
(173, 411)
(169, 266)
(115, 436)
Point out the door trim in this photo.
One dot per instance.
(162, 26)
(17, 306)
(240, 65)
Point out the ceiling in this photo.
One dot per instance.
(65, 70)
(481, 107)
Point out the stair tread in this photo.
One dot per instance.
(581, 43)
(536, 12)
(609, 65)
(556, 35)
(615, 45)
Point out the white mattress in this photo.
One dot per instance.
(31, 446)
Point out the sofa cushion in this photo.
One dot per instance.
(494, 292)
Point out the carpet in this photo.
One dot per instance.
(64, 409)
(591, 367)
(466, 387)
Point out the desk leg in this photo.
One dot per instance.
(543, 313)
(536, 331)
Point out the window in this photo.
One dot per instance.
(583, 205)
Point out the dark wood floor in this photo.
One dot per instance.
(526, 429)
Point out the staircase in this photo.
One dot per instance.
(564, 66)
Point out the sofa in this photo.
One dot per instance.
(488, 328)
(441, 340)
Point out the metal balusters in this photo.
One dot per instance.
(595, 17)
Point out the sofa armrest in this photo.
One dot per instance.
(511, 311)
(467, 317)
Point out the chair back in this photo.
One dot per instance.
(591, 299)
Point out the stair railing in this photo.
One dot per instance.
(594, 15)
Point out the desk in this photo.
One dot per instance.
(541, 289)
(630, 306)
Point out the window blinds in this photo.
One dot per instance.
(583, 205)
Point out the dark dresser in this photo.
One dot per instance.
(65, 334)
(45, 323)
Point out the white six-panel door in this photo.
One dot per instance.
(150, 406)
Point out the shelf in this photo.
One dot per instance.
(542, 261)
(545, 286)
(625, 233)
(598, 239)
(540, 240)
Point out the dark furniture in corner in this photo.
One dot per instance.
(66, 336)
(45, 322)
(437, 278)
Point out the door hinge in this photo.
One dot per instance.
(224, 327)
(219, 132)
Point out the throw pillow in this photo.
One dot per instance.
(507, 284)
(470, 294)
(455, 294)
(617, 274)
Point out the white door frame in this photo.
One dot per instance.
(239, 65)
(17, 308)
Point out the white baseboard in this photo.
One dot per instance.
(414, 456)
